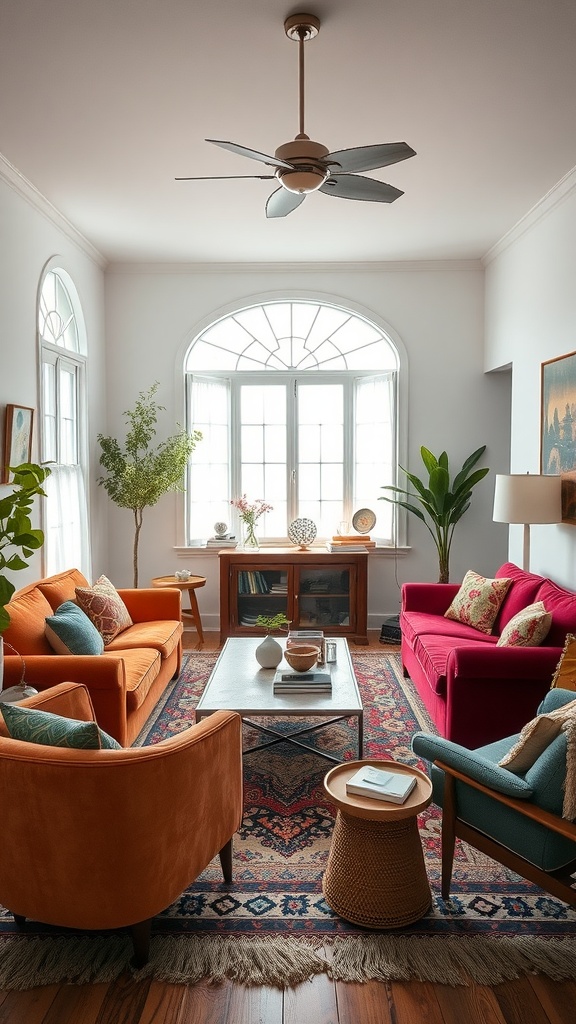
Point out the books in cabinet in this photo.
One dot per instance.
(394, 787)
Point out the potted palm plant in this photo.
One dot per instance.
(439, 502)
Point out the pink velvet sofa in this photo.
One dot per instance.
(475, 691)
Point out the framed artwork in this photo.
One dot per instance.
(558, 428)
(17, 438)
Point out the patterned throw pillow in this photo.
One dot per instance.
(527, 628)
(53, 730)
(478, 601)
(70, 631)
(104, 606)
(565, 674)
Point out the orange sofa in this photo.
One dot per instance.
(110, 838)
(126, 681)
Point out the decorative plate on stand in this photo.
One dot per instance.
(302, 532)
(363, 520)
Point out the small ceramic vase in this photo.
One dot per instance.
(269, 653)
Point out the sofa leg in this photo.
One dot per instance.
(448, 833)
(226, 861)
(141, 942)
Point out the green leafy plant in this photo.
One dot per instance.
(138, 473)
(272, 622)
(18, 540)
(440, 502)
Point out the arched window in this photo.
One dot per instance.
(296, 401)
(63, 423)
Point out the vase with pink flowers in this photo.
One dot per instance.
(249, 512)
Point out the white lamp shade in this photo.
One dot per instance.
(527, 498)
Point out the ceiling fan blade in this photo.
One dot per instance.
(354, 186)
(222, 177)
(282, 202)
(252, 153)
(366, 158)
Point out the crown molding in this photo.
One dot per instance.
(24, 188)
(557, 194)
(394, 266)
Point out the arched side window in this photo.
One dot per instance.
(296, 401)
(63, 423)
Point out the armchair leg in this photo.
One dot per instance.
(226, 861)
(141, 942)
(19, 921)
(448, 833)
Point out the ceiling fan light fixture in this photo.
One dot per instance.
(308, 179)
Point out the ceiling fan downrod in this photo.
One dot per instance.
(310, 173)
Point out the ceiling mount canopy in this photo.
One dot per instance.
(304, 166)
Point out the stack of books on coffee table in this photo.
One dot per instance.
(314, 681)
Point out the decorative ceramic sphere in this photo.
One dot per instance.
(220, 529)
(302, 532)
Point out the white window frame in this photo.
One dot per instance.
(67, 539)
(245, 370)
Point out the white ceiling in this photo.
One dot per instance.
(104, 102)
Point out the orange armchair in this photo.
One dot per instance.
(112, 837)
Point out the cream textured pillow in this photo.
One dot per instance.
(528, 628)
(478, 601)
(536, 736)
(104, 606)
(565, 674)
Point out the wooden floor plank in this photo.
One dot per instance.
(77, 1004)
(369, 1003)
(165, 1004)
(254, 1005)
(124, 1001)
(557, 1000)
(415, 1001)
(474, 1004)
(518, 1005)
(28, 1007)
(313, 1002)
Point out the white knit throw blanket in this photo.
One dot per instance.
(534, 739)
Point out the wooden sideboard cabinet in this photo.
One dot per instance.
(315, 589)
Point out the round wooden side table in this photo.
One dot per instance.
(376, 875)
(192, 584)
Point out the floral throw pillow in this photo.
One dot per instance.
(104, 606)
(478, 601)
(528, 628)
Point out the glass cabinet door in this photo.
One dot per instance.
(324, 597)
(265, 591)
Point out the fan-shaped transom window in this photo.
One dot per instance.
(296, 401)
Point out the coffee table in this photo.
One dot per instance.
(238, 684)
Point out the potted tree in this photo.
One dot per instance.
(439, 502)
(18, 540)
(138, 473)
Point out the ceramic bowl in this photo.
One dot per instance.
(302, 657)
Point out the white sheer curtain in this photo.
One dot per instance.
(66, 521)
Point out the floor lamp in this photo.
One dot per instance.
(527, 498)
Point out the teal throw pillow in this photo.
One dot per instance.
(70, 631)
(54, 730)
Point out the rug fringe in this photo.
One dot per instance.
(285, 961)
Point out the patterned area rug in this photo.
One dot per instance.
(272, 925)
(282, 848)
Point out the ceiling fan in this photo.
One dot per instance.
(304, 166)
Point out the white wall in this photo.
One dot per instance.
(530, 318)
(31, 233)
(436, 309)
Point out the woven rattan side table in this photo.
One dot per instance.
(376, 876)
